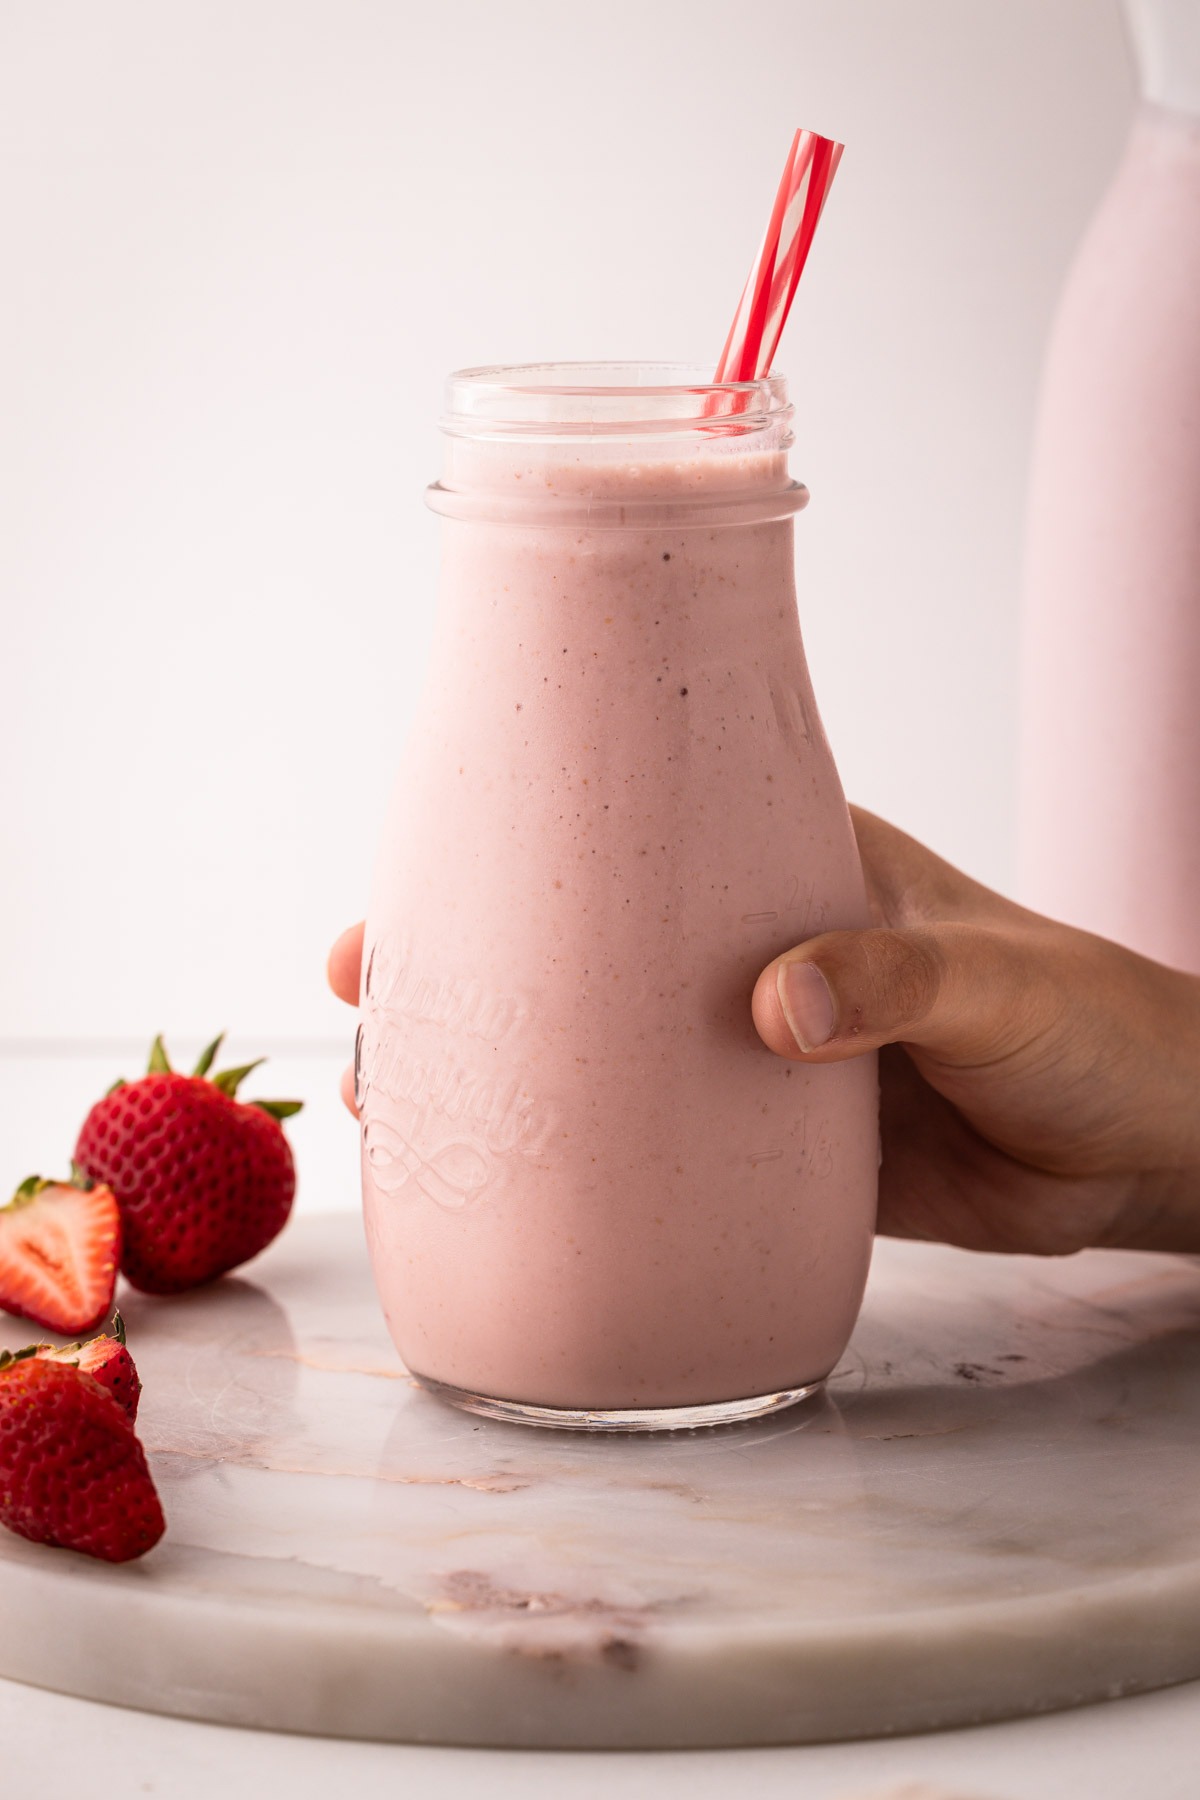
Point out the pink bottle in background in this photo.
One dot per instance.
(592, 1197)
(1110, 798)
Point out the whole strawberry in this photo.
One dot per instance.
(202, 1181)
(72, 1472)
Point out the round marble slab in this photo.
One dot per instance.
(994, 1510)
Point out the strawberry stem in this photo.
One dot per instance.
(209, 1055)
(230, 1080)
(279, 1109)
(32, 1186)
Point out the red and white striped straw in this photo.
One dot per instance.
(762, 312)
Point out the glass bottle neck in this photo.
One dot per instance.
(545, 488)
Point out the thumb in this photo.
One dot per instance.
(965, 993)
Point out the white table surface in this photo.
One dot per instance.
(1145, 1745)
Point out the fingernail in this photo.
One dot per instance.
(807, 1003)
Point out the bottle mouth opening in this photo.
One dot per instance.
(564, 402)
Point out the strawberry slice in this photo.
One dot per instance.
(72, 1471)
(106, 1359)
(60, 1244)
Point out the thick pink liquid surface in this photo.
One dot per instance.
(587, 1184)
(1111, 747)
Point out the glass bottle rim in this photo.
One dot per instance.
(565, 401)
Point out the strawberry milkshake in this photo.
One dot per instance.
(592, 1196)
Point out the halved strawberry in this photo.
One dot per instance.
(106, 1359)
(72, 1471)
(60, 1244)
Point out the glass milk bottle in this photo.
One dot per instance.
(592, 1197)
(1110, 797)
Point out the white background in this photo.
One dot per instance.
(244, 240)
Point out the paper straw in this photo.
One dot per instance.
(767, 296)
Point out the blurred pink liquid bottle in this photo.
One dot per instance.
(1110, 779)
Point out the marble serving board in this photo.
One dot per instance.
(995, 1509)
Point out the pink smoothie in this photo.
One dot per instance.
(1111, 686)
(587, 1184)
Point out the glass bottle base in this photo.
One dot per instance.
(621, 1418)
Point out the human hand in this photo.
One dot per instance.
(344, 970)
(1040, 1086)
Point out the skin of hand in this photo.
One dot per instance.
(1040, 1087)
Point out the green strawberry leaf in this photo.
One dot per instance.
(158, 1064)
(279, 1109)
(230, 1080)
(81, 1179)
(209, 1056)
(8, 1357)
(117, 1328)
(32, 1184)
(116, 1087)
